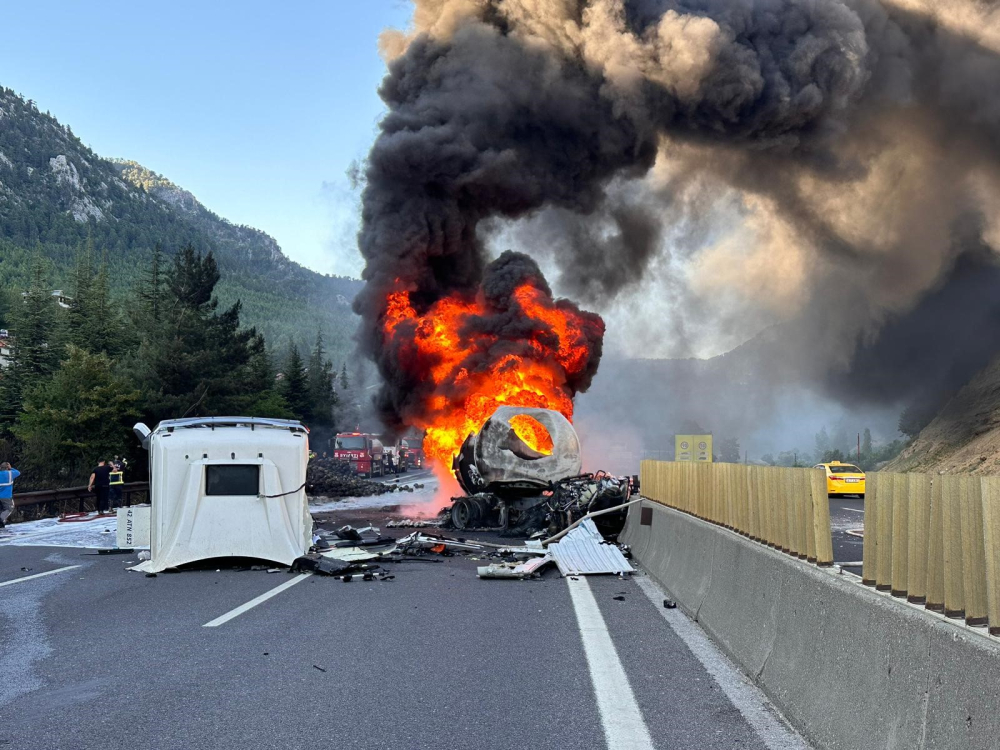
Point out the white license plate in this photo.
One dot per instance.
(852, 479)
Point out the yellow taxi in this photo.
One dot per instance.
(843, 479)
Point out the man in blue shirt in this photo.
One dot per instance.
(7, 477)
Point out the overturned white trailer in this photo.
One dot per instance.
(227, 487)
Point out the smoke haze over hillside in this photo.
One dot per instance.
(701, 171)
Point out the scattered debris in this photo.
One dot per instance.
(409, 523)
(416, 540)
(327, 566)
(546, 511)
(333, 477)
(315, 666)
(618, 598)
(583, 551)
(521, 571)
(669, 604)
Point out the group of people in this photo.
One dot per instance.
(105, 481)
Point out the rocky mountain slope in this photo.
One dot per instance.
(55, 193)
(965, 435)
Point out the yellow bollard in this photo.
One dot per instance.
(822, 532)
(991, 541)
(869, 559)
(954, 584)
(810, 513)
(935, 550)
(803, 525)
(919, 488)
(883, 542)
(753, 502)
(973, 552)
(900, 534)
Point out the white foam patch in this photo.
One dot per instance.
(51, 532)
(412, 501)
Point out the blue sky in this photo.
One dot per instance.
(258, 108)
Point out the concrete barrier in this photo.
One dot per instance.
(851, 668)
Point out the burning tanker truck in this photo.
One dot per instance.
(514, 486)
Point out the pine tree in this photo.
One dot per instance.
(33, 359)
(344, 383)
(322, 395)
(295, 386)
(82, 412)
(78, 325)
(866, 443)
(197, 362)
(151, 291)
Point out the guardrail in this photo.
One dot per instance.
(54, 502)
(935, 540)
(784, 508)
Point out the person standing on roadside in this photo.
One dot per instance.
(100, 482)
(7, 477)
(117, 480)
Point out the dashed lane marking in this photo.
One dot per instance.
(38, 575)
(223, 619)
(624, 727)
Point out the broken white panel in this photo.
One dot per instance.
(583, 551)
(133, 527)
(358, 554)
(509, 570)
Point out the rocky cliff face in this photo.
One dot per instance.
(56, 193)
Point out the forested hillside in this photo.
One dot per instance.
(55, 194)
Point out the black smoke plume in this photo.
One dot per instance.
(864, 129)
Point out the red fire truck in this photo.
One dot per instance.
(414, 449)
(363, 451)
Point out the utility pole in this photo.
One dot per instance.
(859, 447)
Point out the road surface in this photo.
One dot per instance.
(95, 656)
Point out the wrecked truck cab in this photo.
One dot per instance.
(497, 460)
(226, 487)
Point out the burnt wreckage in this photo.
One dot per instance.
(512, 486)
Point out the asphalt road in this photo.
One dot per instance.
(96, 656)
(847, 514)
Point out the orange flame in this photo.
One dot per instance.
(532, 432)
(472, 374)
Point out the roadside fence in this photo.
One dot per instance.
(935, 540)
(47, 503)
(784, 508)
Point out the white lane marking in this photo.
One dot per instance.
(853, 510)
(624, 727)
(37, 575)
(758, 711)
(223, 619)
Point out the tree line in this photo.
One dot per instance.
(82, 373)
